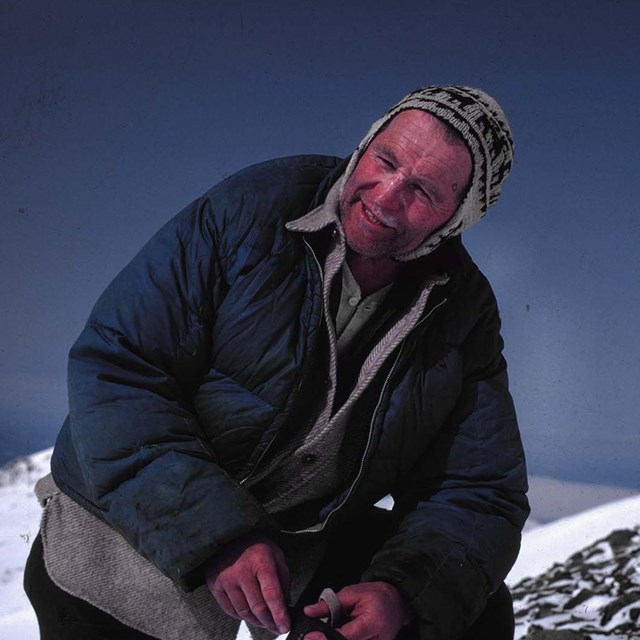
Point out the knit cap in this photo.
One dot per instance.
(483, 126)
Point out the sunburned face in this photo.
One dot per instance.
(406, 185)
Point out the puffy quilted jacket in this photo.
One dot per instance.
(209, 343)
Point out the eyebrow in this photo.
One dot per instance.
(382, 148)
(427, 185)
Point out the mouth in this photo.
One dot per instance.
(373, 218)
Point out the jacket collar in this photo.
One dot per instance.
(323, 215)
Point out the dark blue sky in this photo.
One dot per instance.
(117, 114)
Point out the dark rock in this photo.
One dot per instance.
(538, 633)
(582, 595)
(619, 603)
(620, 538)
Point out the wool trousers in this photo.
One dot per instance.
(62, 616)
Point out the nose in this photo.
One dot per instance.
(390, 194)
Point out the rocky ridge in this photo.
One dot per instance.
(594, 595)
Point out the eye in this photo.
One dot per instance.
(386, 162)
(422, 193)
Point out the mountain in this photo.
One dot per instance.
(577, 578)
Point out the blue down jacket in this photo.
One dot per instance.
(209, 343)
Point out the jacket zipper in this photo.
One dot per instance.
(322, 525)
(264, 453)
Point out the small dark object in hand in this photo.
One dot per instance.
(303, 624)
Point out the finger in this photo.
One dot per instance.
(241, 608)
(257, 599)
(359, 628)
(317, 610)
(315, 635)
(225, 604)
(271, 591)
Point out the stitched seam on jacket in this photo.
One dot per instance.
(244, 388)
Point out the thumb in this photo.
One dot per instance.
(317, 610)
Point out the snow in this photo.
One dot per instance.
(555, 542)
(19, 523)
(542, 545)
(21, 625)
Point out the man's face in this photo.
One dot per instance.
(406, 185)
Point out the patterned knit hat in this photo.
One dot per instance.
(483, 126)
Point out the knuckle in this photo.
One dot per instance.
(226, 575)
(271, 591)
(258, 550)
(218, 592)
(243, 611)
(265, 564)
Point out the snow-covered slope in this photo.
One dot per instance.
(555, 542)
(542, 546)
(581, 575)
(19, 523)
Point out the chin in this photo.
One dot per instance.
(367, 250)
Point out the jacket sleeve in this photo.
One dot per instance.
(132, 450)
(465, 505)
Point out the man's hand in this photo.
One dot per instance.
(249, 578)
(377, 610)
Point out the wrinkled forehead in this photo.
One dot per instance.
(429, 121)
(427, 136)
(426, 131)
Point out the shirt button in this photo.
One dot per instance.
(353, 301)
(308, 458)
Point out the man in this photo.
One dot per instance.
(301, 341)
